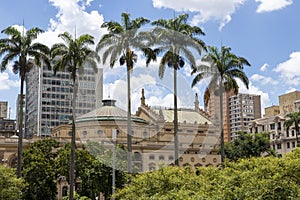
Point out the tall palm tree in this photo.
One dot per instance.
(72, 55)
(176, 40)
(119, 43)
(21, 49)
(293, 119)
(223, 68)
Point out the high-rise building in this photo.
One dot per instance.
(238, 110)
(3, 109)
(49, 97)
(243, 108)
(18, 111)
(213, 109)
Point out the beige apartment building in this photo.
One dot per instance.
(281, 139)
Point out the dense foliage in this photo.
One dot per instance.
(10, 185)
(248, 145)
(254, 178)
(45, 161)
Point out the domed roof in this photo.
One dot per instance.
(108, 112)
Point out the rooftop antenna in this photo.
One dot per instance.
(109, 92)
(9, 110)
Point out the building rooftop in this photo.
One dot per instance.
(108, 112)
(184, 115)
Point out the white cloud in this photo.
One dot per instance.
(6, 83)
(271, 5)
(290, 69)
(263, 80)
(205, 10)
(291, 89)
(264, 67)
(72, 17)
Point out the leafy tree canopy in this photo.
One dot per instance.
(10, 185)
(248, 145)
(260, 178)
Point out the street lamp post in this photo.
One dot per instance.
(114, 139)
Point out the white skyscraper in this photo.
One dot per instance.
(49, 97)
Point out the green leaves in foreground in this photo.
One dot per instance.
(10, 185)
(254, 178)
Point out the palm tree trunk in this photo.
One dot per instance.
(73, 139)
(176, 151)
(129, 132)
(20, 140)
(221, 124)
(297, 135)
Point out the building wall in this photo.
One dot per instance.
(271, 111)
(214, 112)
(243, 108)
(49, 98)
(286, 102)
(281, 139)
(3, 109)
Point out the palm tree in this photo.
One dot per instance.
(119, 43)
(176, 39)
(71, 56)
(20, 48)
(293, 119)
(223, 67)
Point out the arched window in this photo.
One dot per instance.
(64, 191)
(161, 157)
(100, 132)
(84, 132)
(137, 156)
(151, 157)
(151, 166)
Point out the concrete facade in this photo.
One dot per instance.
(49, 97)
(3, 109)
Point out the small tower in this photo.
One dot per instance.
(196, 102)
(143, 98)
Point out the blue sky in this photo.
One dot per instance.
(266, 32)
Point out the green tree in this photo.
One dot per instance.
(175, 39)
(10, 186)
(20, 48)
(72, 55)
(39, 170)
(223, 67)
(293, 119)
(119, 43)
(94, 171)
(248, 145)
(255, 178)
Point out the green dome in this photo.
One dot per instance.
(108, 112)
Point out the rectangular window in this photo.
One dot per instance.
(288, 145)
(279, 146)
(272, 126)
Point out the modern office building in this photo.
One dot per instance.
(243, 108)
(49, 97)
(3, 109)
